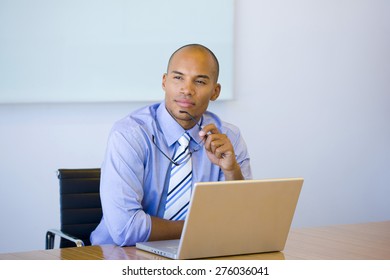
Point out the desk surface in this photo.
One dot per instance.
(369, 241)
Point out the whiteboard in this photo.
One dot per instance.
(105, 51)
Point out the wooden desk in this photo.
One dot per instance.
(369, 241)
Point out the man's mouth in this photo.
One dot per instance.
(184, 103)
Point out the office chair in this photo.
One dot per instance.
(80, 207)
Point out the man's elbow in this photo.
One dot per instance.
(137, 230)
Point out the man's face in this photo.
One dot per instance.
(190, 84)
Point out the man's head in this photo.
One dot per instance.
(201, 48)
(190, 83)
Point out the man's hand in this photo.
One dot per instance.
(220, 151)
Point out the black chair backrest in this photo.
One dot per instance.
(80, 205)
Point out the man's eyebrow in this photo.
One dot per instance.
(177, 72)
(198, 76)
(203, 77)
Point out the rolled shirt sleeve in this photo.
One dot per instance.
(122, 191)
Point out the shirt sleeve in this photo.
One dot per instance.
(240, 150)
(243, 158)
(122, 189)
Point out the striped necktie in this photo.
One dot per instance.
(180, 183)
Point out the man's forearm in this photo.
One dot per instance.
(165, 229)
(234, 174)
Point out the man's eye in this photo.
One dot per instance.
(200, 82)
(177, 77)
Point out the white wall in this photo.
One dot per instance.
(56, 51)
(312, 97)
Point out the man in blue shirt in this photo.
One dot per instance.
(136, 170)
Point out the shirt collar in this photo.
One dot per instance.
(171, 129)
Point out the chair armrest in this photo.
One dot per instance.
(50, 236)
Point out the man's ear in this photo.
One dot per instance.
(217, 91)
(164, 78)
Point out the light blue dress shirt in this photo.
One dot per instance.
(135, 174)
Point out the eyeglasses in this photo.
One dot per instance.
(184, 160)
(192, 118)
(177, 163)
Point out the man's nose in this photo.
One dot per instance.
(187, 87)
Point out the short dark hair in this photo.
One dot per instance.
(199, 46)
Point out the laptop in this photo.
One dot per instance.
(233, 218)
